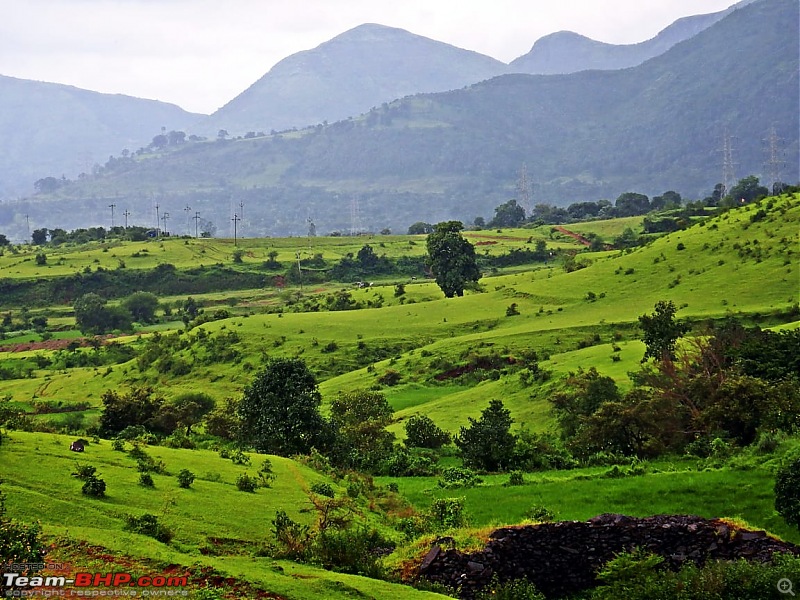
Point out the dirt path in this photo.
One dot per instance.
(572, 234)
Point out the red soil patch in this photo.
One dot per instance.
(576, 236)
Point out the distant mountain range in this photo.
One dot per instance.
(456, 154)
(53, 130)
(568, 52)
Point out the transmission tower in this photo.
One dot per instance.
(355, 217)
(126, 214)
(728, 175)
(524, 191)
(775, 159)
(112, 207)
(186, 209)
(236, 218)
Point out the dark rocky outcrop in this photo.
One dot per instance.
(563, 558)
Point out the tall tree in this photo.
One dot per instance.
(660, 331)
(279, 412)
(508, 214)
(488, 442)
(451, 258)
(361, 418)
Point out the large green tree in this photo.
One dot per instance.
(279, 412)
(451, 258)
(508, 214)
(660, 331)
(93, 316)
(360, 419)
(142, 306)
(488, 443)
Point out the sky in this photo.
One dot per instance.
(200, 54)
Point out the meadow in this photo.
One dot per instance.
(448, 358)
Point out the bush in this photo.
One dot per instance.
(245, 483)
(146, 480)
(539, 512)
(148, 525)
(185, 478)
(94, 486)
(515, 478)
(512, 310)
(457, 477)
(84, 472)
(19, 543)
(517, 589)
(323, 489)
(355, 550)
(293, 537)
(390, 377)
(422, 432)
(447, 513)
(238, 457)
(118, 445)
(787, 492)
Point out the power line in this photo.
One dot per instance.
(126, 214)
(236, 218)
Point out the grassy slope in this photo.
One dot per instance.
(706, 279)
(36, 471)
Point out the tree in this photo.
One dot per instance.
(631, 204)
(93, 316)
(451, 258)
(4, 241)
(187, 409)
(660, 331)
(279, 411)
(488, 443)
(137, 407)
(360, 419)
(142, 306)
(747, 190)
(39, 237)
(420, 228)
(508, 214)
(422, 432)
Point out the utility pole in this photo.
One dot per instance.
(126, 214)
(188, 218)
(164, 218)
(28, 223)
(241, 209)
(157, 220)
(112, 207)
(236, 218)
(299, 271)
(196, 218)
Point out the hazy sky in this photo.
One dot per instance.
(200, 54)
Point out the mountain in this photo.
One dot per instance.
(457, 154)
(56, 130)
(346, 76)
(567, 52)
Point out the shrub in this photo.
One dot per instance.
(390, 377)
(238, 457)
(245, 483)
(84, 471)
(185, 478)
(323, 489)
(146, 480)
(447, 513)
(355, 550)
(457, 477)
(148, 525)
(118, 445)
(515, 478)
(94, 486)
(512, 310)
(293, 537)
(787, 492)
(539, 512)
(517, 589)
